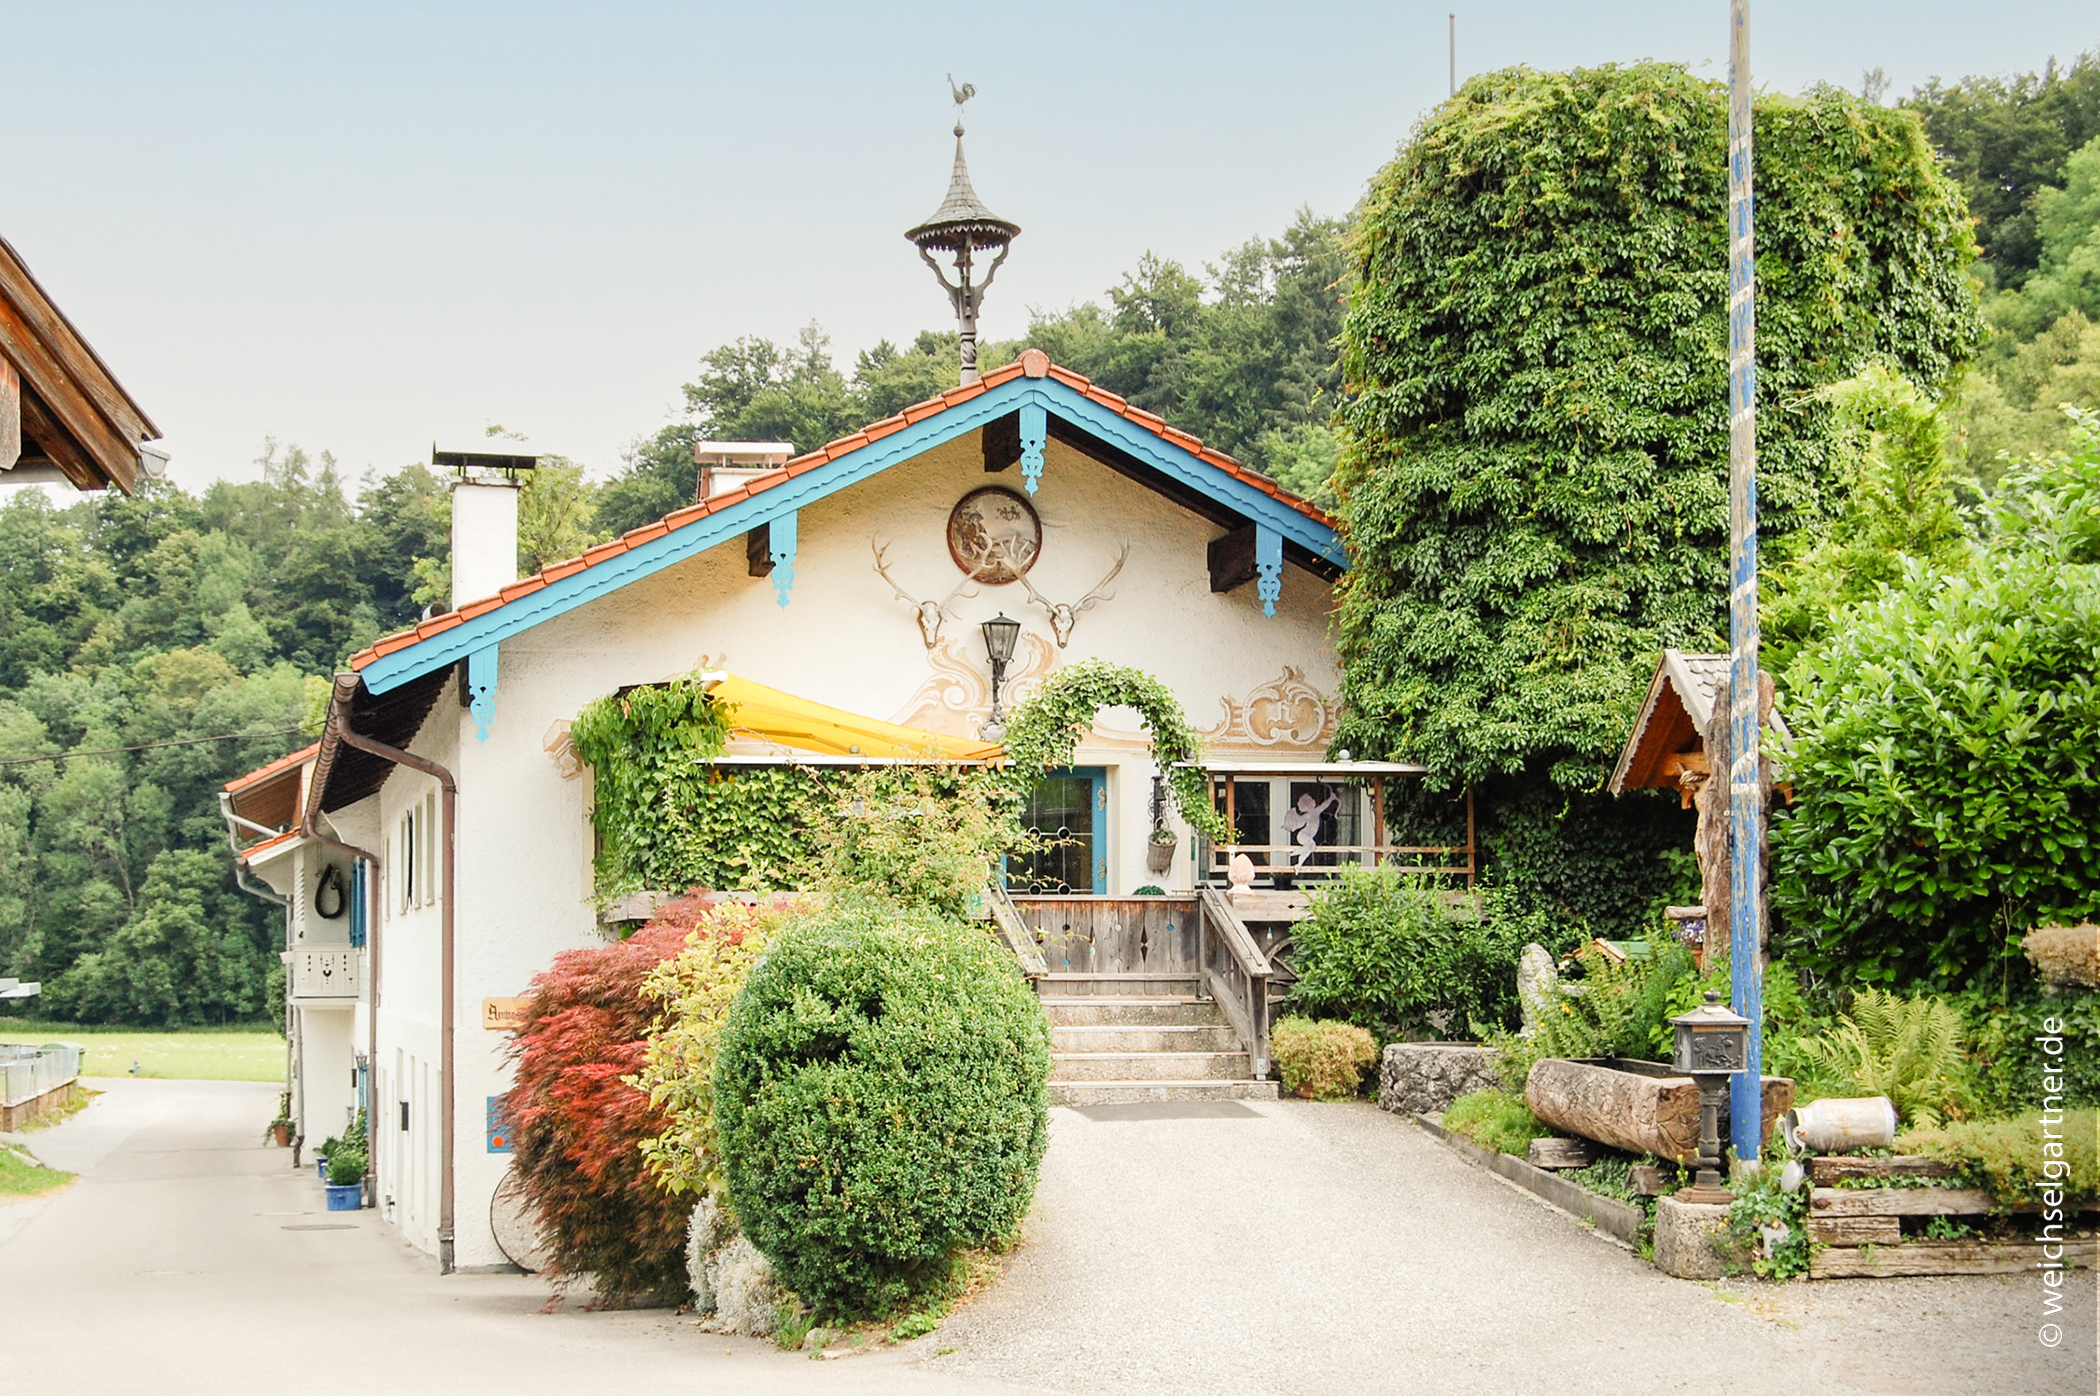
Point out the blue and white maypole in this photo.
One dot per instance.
(1746, 806)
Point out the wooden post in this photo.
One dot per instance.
(10, 415)
(1472, 847)
(1745, 805)
(1232, 822)
(1377, 820)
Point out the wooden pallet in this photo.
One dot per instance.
(1857, 1233)
(1941, 1258)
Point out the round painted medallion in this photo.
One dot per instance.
(994, 535)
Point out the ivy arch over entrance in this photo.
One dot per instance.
(1045, 731)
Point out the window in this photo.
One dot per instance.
(1336, 806)
(417, 854)
(405, 862)
(1067, 814)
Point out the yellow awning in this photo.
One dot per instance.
(769, 715)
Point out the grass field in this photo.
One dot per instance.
(21, 1179)
(190, 1054)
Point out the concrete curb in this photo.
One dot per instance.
(1613, 1218)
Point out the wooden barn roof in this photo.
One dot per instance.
(1672, 721)
(77, 421)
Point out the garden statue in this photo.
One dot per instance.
(1538, 985)
(1303, 825)
(1241, 873)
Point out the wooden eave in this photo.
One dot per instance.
(73, 409)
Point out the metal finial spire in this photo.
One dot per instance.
(963, 225)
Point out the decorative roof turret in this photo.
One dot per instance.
(964, 226)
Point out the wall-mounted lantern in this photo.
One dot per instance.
(1000, 637)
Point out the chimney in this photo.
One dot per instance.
(484, 521)
(727, 465)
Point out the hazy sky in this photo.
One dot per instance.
(364, 227)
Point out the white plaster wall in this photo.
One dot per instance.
(524, 841)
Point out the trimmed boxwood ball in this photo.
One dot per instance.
(881, 1097)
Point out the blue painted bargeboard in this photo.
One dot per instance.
(484, 631)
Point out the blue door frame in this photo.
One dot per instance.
(1096, 778)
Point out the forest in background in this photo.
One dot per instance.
(132, 628)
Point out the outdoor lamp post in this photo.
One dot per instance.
(1000, 636)
(1712, 1043)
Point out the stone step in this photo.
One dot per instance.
(1131, 1092)
(1060, 983)
(1132, 1012)
(1150, 1066)
(1145, 1037)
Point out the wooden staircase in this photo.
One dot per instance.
(1115, 1049)
(1152, 999)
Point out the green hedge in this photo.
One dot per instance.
(881, 1097)
(1382, 951)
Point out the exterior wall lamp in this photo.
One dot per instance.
(1000, 637)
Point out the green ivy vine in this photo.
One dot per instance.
(1045, 730)
(667, 816)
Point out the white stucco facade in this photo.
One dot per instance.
(1252, 684)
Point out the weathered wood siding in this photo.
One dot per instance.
(1114, 935)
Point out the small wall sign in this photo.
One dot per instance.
(499, 1128)
(503, 1015)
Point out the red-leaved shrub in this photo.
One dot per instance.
(577, 1126)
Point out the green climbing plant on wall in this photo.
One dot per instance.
(1047, 727)
(668, 817)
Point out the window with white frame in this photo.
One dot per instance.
(416, 854)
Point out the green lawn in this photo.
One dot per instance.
(192, 1054)
(21, 1179)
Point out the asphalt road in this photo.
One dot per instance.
(1283, 1248)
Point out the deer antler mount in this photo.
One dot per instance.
(930, 613)
(1064, 616)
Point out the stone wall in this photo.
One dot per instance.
(1420, 1078)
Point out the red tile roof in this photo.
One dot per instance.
(1033, 363)
(277, 767)
(256, 849)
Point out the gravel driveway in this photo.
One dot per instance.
(1268, 1247)
(1334, 1248)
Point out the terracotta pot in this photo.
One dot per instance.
(281, 1136)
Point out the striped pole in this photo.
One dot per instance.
(1746, 812)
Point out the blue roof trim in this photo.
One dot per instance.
(390, 671)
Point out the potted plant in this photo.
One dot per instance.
(279, 1130)
(321, 1157)
(346, 1179)
(1159, 849)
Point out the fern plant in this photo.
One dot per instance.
(1909, 1050)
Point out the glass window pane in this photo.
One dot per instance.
(1060, 815)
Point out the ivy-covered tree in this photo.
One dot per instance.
(1534, 484)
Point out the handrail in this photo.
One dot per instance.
(1015, 932)
(1237, 975)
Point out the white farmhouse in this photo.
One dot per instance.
(436, 843)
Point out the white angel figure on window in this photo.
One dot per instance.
(1302, 825)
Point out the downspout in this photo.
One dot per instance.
(258, 890)
(450, 787)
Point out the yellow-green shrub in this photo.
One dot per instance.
(1322, 1059)
(2011, 1157)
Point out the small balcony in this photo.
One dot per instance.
(326, 972)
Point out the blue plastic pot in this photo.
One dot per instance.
(345, 1197)
(321, 1167)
